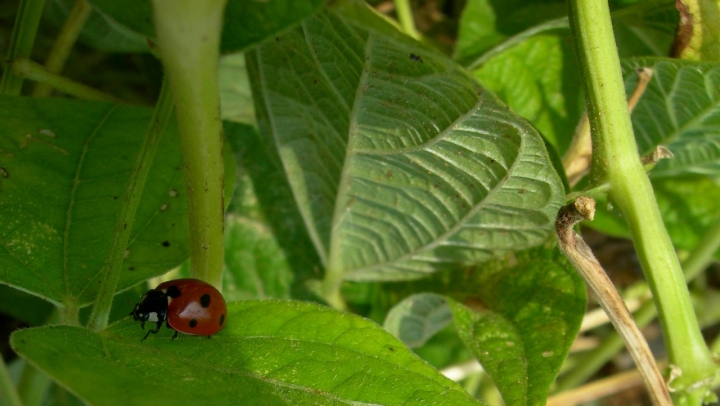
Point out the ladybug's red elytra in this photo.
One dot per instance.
(189, 306)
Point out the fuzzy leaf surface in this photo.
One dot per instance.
(269, 353)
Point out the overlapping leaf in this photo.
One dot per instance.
(681, 110)
(400, 163)
(270, 353)
(519, 321)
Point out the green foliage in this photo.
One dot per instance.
(518, 321)
(364, 160)
(270, 353)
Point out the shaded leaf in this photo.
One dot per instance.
(24, 306)
(235, 97)
(246, 24)
(519, 321)
(702, 18)
(417, 318)
(681, 110)
(399, 165)
(263, 197)
(269, 353)
(100, 31)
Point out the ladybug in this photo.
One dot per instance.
(189, 306)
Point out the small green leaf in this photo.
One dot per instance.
(519, 321)
(417, 318)
(270, 353)
(680, 109)
(66, 165)
(399, 162)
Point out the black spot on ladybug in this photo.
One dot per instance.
(173, 292)
(222, 319)
(205, 300)
(166, 244)
(193, 323)
(416, 58)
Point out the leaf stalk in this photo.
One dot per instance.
(21, 43)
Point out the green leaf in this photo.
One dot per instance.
(538, 80)
(247, 23)
(399, 165)
(417, 318)
(263, 197)
(270, 353)
(24, 306)
(519, 321)
(235, 97)
(66, 165)
(680, 109)
(703, 42)
(486, 23)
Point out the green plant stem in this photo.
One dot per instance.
(405, 15)
(188, 35)
(616, 160)
(25, 68)
(64, 43)
(113, 266)
(21, 43)
(8, 395)
(589, 364)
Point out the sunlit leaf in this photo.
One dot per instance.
(270, 353)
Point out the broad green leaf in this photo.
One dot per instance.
(519, 321)
(100, 31)
(417, 318)
(681, 110)
(646, 28)
(538, 79)
(270, 353)
(264, 198)
(247, 23)
(399, 162)
(235, 97)
(66, 165)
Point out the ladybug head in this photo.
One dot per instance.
(152, 307)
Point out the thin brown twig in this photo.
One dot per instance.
(582, 258)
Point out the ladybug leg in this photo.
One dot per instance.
(175, 335)
(142, 325)
(155, 331)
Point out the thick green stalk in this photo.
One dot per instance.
(64, 43)
(616, 160)
(188, 35)
(25, 68)
(113, 265)
(21, 43)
